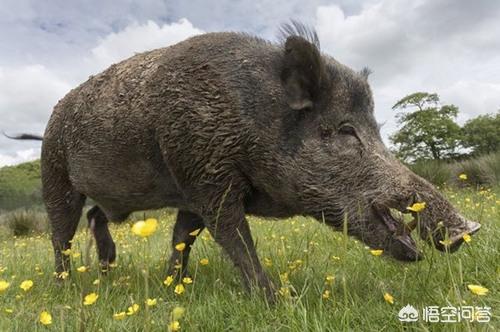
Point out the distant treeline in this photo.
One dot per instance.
(20, 186)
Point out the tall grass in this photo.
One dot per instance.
(480, 171)
(298, 254)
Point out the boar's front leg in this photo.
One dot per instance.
(106, 249)
(186, 223)
(231, 231)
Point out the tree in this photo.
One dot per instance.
(482, 134)
(428, 130)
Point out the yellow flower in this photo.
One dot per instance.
(174, 326)
(204, 261)
(26, 285)
(467, 238)
(96, 282)
(145, 228)
(177, 313)
(45, 318)
(376, 252)
(4, 285)
(329, 279)
(119, 316)
(180, 246)
(388, 298)
(151, 302)
(195, 232)
(66, 252)
(168, 281)
(445, 242)
(63, 275)
(463, 176)
(268, 262)
(9, 310)
(132, 309)
(82, 269)
(90, 299)
(179, 289)
(326, 294)
(416, 207)
(76, 255)
(187, 280)
(477, 289)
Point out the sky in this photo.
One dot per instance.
(449, 47)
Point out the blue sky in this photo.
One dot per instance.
(450, 47)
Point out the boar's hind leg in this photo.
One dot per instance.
(231, 231)
(186, 223)
(64, 208)
(98, 224)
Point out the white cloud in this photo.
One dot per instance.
(28, 93)
(20, 156)
(139, 38)
(443, 46)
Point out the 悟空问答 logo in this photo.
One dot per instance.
(408, 314)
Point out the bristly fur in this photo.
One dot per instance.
(365, 72)
(296, 28)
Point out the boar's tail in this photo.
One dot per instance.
(25, 137)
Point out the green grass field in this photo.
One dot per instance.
(299, 254)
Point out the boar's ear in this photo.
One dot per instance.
(303, 71)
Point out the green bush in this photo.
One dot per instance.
(434, 171)
(25, 222)
(482, 171)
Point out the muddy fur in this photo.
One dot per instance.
(219, 126)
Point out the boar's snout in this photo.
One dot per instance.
(451, 242)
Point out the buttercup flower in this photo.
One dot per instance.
(151, 302)
(329, 279)
(168, 281)
(187, 280)
(416, 207)
(178, 312)
(376, 252)
(82, 269)
(463, 176)
(145, 228)
(179, 289)
(45, 318)
(134, 308)
(478, 289)
(180, 246)
(445, 242)
(388, 298)
(174, 326)
(119, 315)
(204, 261)
(467, 238)
(4, 285)
(195, 232)
(26, 285)
(90, 299)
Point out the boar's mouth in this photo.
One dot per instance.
(401, 245)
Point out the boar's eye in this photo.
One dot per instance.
(347, 129)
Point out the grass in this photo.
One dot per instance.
(300, 252)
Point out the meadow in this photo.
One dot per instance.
(326, 281)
